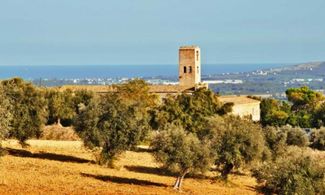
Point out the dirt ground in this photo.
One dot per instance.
(65, 167)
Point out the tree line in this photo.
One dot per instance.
(304, 108)
(188, 134)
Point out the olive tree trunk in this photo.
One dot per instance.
(226, 170)
(58, 121)
(179, 180)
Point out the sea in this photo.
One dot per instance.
(31, 72)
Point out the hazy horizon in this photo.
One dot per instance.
(152, 64)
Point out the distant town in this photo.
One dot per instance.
(265, 83)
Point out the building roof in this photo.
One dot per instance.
(168, 88)
(94, 88)
(238, 99)
(189, 47)
(110, 88)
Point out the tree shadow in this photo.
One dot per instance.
(162, 172)
(46, 155)
(254, 188)
(260, 188)
(233, 172)
(149, 170)
(123, 180)
(239, 173)
(140, 149)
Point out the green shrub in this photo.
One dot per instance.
(275, 139)
(317, 139)
(296, 136)
(298, 171)
(57, 132)
(279, 138)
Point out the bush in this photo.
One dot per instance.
(57, 132)
(296, 136)
(298, 171)
(275, 139)
(278, 138)
(317, 139)
(180, 152)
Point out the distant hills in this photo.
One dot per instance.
(316, 68)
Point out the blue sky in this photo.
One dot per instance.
(64, 32)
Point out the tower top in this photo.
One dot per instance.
(189, 47)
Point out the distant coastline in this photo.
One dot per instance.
(32, 72)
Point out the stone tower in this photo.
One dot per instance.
(189, 66)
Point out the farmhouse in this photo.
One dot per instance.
(243, 106)
(189, 80)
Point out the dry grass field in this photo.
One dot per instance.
(65, 167)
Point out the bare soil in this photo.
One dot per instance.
(65, 167)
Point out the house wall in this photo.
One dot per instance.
(251, 109)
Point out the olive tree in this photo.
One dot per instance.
(189, 111)
(116, 121)
(297, 171)
(60, 105)
(180, 152)
(6, 117)
(28, 109)
(236, 142)
(81, 99)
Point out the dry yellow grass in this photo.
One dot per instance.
(65, 167)
(58, 132)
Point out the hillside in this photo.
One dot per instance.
(54, 167)
(311, 68)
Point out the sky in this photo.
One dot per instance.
(75, 32)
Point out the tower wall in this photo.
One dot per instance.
(189, 66)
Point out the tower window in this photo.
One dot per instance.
(198, 71)
(197, 55)
(190, 69)
(184, 69)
